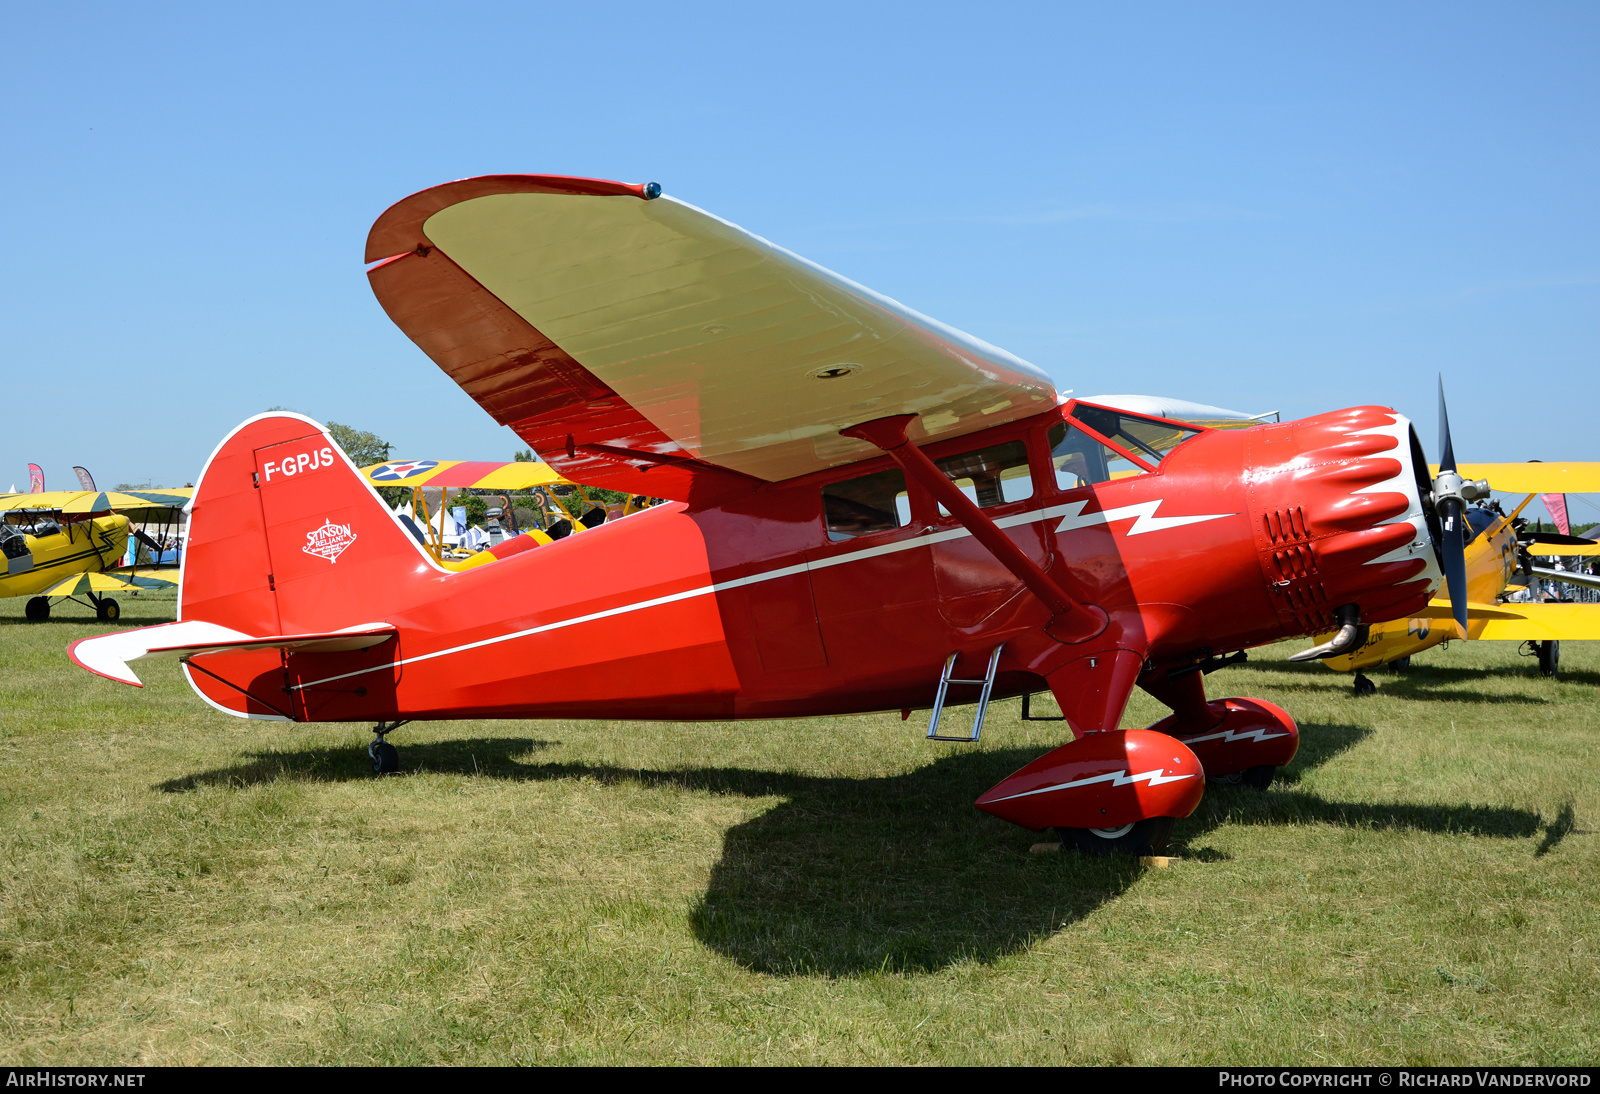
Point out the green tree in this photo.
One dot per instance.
(363, 448)
(525, 456)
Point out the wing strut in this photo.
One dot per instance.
(1073, 622)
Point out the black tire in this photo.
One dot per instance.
(385, 758)
(108, 610)
(1400, 664)
(1549, 657)
(1146, 837)
(1258, 777)
(38, 609)
(1363, 686)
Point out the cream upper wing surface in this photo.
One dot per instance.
(746, 355)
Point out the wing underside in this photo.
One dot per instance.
(649, 340)
(1533, 477)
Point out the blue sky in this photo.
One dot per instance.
(1291, 207)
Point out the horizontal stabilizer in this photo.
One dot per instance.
(111, 581)
(108, 654)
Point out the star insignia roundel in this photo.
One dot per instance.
(402, 469)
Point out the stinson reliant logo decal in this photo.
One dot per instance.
(329, 541)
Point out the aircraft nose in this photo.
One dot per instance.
(1339, 521)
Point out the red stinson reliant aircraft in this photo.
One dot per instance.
(868, 508)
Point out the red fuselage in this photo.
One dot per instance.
(747, 608)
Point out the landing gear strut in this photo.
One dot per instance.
(385, 757)
(1364, 686)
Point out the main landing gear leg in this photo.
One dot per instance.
(1364, 686)
(1240, 742)
(1108, 791)
(385, 757)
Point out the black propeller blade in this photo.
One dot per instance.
(1452, 509)
(1447, 450)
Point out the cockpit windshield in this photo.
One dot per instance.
(1143, 437)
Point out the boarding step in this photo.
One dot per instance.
(945, 680)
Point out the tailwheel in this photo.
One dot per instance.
(1549, 657)
(107, 610)
(1144, 837)
(38, 609)
(1364, 686)
(385, 757)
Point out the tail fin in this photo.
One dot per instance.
(287, 537)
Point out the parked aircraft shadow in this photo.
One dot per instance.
(853, 875)
(132, 616)
(1435, 683)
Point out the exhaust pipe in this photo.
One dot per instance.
(1351, 635)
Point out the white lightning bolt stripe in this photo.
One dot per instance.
(1229, 736)
(1115, 778)
(1145, 511)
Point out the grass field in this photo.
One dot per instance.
(176, 886)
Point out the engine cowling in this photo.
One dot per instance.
(1336, 503)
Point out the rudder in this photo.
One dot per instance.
(286, 536)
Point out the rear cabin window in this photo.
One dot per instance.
(872, 503)
(990, 476)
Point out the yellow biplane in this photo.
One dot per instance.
(541, 490)
(71, 544)
(1502, 564)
